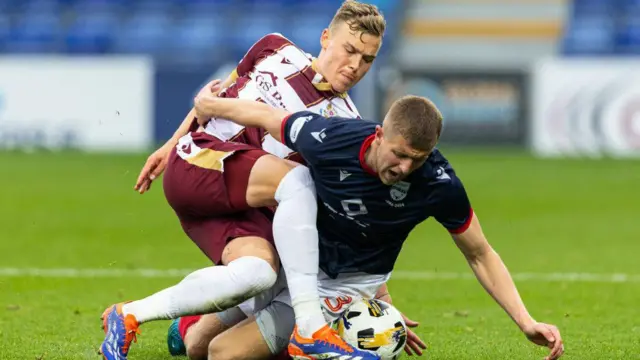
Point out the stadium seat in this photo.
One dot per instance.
(34, 33)
(628, 38)
(198, 39)
(249, 29)
(306, 31)
(91, 32)
(144, 33)
(5, 28)
(590, 36)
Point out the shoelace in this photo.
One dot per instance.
(340, 345)
(129, 336)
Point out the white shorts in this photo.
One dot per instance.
(274, 313)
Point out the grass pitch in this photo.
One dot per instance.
(548, 219)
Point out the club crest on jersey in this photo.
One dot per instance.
(328, 112)
(399, 190)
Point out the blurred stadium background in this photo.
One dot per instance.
(541, 100)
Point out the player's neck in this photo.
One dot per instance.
(369, 156)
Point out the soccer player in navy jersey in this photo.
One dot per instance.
(374, 184)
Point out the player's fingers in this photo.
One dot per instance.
(557, 350)
(145, 172)
(410, 323)
(415, 347)
(556, 333)
(215, 85)
(144, 186)
(158, 170)
(407, 349)
(547, 333)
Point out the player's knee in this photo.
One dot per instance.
(223, 350)
(296, 185)
(196, 348)
(255, 274)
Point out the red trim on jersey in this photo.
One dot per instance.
(282, 126)
(464, 226)
(305, 90)
(363, 150)
(267, 45)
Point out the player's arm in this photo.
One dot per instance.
(455, 213)
(157, 162)
(492, 273)
(243, 112)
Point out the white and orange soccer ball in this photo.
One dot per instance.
(374, 325)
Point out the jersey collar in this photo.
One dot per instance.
(319, 81)
(366, 144)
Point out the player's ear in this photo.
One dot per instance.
(379, 132)
(324, 38)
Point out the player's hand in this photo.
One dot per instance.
(546, 335)
(203, 100)
(154, 167)
(415, 345)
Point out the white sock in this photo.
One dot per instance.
(207, 290)
(296, 238)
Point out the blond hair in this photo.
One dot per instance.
(361, 17)
(417, 120)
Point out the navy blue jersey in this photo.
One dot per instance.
(362, 223)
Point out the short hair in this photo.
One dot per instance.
(417, 120)
(361, 17)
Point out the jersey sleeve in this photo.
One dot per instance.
(451, 204)
(304, 132)
(267, 45)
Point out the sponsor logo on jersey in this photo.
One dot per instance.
(297, 126)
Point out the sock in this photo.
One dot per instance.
(207, 290)
(296, 238)
(185, 322)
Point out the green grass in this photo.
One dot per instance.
(70, 210)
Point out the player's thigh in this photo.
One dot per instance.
(267, 333)
(243, 341)
(200, 334)
(265, 176)
(206, 176)
(224, 238)
(251, 246)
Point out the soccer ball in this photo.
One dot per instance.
(373, 325)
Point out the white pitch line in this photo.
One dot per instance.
(397, 275)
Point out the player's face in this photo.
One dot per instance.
(396, 159)
(346, 56)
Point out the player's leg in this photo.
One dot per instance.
(295, 232)
(248, 267)
(198, 336)
(250, 259)
(296, 239)
(266, 334)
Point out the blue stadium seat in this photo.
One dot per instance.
(91, 33)
(628, 38)
(306, 31)
(206, 6)
(5, 29)
(590, 35)
(250, 28)
(199, 39)
(36, 32)
(146, 32)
